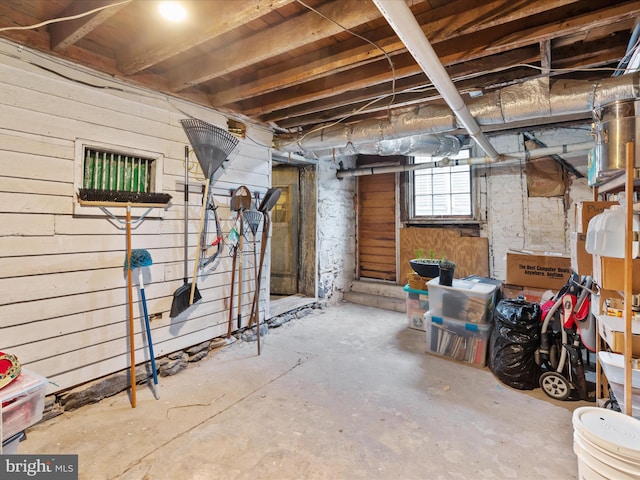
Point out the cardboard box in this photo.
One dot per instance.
(608, 272)
(544, 270)
(599, 301)
(581, 261)
(585, 211)
(612, 331)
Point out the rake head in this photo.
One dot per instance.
(252, 217)
(212, 144)
(139, 258)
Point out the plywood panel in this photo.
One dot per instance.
(471, 254)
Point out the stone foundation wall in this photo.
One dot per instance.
(168, 365)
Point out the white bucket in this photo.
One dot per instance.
(607, 444)
(597, 469)
(621, 467)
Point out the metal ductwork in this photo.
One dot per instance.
(401, 19)
(506, 159)
(427, 145)
(525, 101)
(521, 102)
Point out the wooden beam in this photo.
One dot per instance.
(66, 33)
(545, 56)
(146, 53)
(442, 24)
(291, 34)
(348, 103)
(563, 27)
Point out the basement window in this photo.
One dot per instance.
(104, 170)
(441, 194)
(101, 166)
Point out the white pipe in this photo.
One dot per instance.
(293, 158)
(505, 159)
(402, 20)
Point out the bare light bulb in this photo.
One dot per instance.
(172, 11)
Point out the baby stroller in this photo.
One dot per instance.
(568, 327)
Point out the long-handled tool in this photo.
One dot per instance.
(268, 202)
(212, 146)
(104, 199)
(253, 217)
(233, 245)
(218, 241)
(240, 201)
(203, 213)
(142, 258)
(132, 343)
(182, 296)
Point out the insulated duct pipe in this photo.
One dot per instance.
(402, 20)
(524, 101)
(509, 158)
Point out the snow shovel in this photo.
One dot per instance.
(182, 295)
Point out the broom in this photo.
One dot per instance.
(142, 258)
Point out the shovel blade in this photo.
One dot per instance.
(181, 299)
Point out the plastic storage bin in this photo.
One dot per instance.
(613, 366)
(463, 341)
(465, 300)
(22, 402)
(417, 306)
(10, 446)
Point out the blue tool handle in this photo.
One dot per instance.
(148, 327)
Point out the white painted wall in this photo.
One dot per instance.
(336, 226)
(510, 219)
(63, 296)
(516, 221)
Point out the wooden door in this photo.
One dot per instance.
(285, 220)
(377, 227)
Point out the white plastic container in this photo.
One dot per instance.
(613, 367)
(611, 431)
(611, 232)
(590, 244)
(10, 446)
(22, 402)
(465, 300)
(607, 444)
(463, 341)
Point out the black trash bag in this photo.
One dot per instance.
(514, 339)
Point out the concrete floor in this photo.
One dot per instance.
(345, 393)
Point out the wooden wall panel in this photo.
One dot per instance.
(377, 227)
(471, 254)
(64, 298)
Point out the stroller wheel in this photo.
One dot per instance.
(555, 385)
